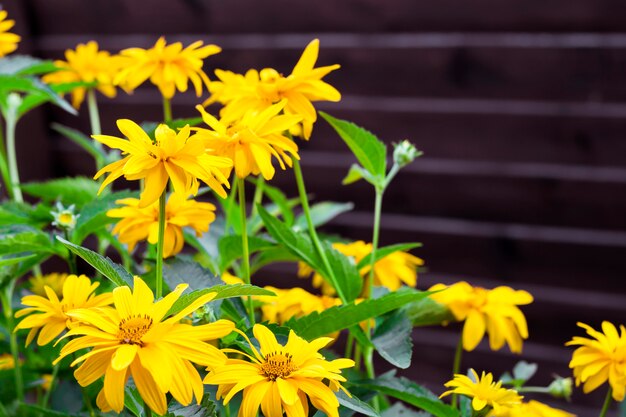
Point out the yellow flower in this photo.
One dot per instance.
(280, 378)
(55, 281)
(86, 64)
(532, 409)
(258, 90)
(169, 67)
(6, 361)
(229, 278)
(392, 271)
(294, 302)
(51, 316)
(252, 141)
(176, 156)
(133, 339)
(600, 358)
(493, 311)
(8, 41)
(483, 392)
(143, 223)
(47, 382)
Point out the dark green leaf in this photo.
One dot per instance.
(428, 312)
(281, 201)
(93, 215)
(392, 340)
(45, 412)
(177, 271)
(231, 248)
(133, 401)
(322, 213)
(11, 260)
(12, 213)
(205, 409)
(355, 404)
(400, 410)
(69, 190)
(270, 256)
(23, 238)
(387, 250)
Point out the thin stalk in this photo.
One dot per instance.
(368, 360)
(258, 194)
(607, 402)
(538, 390)
(229, 203)
(241, 187)
(7, 307)
(357, 357)
(375, 234)
(167, 110)
(456, 367)
(4, 168)
(349, 345)
(316, 241)
(71, 260)
(94, 114)
(160, 244)
(11, 122)
(53, 380)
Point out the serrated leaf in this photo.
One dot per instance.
(355, 173)
(93, 215)
(85, 142)
(69, 190)
(354, 404)
(322, 213)
(409, 392)
(205, 409)
(392, 340)
(385, 251)
(114, 272)
(178, 271)
(24, 238)
(340, 317)
(231, 248)
(368, 149)
(428, 312)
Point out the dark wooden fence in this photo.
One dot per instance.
(520, 108)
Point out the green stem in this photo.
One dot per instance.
(241, 187)
(86, 398)
(607, 402)
(7, 307)
(258, 194)
(71, 260)
(94, 114)
(229, 203)
(11, 122)
(375, 233)
(160, 244)
(349, 345)
(316, 241)
(368, 360)
(53, 380)
(357, 357)
(167, 110)
(456, 367)
(538, 390)
(4, 168)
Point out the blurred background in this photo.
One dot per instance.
(519, 108)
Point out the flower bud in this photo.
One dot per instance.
(404, 153)
(561, 387)
(64, 218)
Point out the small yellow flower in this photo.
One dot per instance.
(169, 67)
(484, 392)
(532, 409)
(258, 90)
(252, 141)
(55, 281)
(492, 311)
(6, 361)
(143, 223)
(50, 315)
(86, 64)
(600, 359)
(64, 217)
(136, 339)
(47, 382)
(280, 378)
(8, 40)
(176, 156)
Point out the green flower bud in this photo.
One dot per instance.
(561, 387)
(404, 153)
(64, 218)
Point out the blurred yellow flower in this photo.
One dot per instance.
(258, 90)
(134, 339)
(176, 156)
(55, 281)
(391, 272)
(532, 409)
(169, 67)
(143, 223)
(50, 315)
(252, 141)
(600, 359)
(46, 382)
(86, 64)
(493, 311)
(280, 378)
(484, 392)
(6, 361)
(8, 40)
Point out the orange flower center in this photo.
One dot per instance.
(277, 365)
(133, 328)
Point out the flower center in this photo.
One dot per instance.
(277, 365)
(132, 329)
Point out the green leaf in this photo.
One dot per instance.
(400, 410)
(340, 317)
(356, 173)
(322, 213)
(23, 238)
(205, 409)
(33, 100)
(409, 392)
(231, 248)
(69, 190)
(133, 401)
(114, 272)
(85, 142)
(16, 270)
(30, 85)
(387, 250)
(11, 260)
(281, 201)
(354, 404)
(93, 215)
(299, 244)
(222, 292)
(178, 271)
(523, 371)
(12, 213)
(25, 65)
(428, 312)
(392, 340)
(368, 149)
(45, 412)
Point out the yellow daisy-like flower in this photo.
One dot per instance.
(8, 40)
(176, 156)
(258, 90)
(532, 409)
(252, 141)
(50, 316)
(86, 64)
(6, 361)
(493, 311)
(143, 223)
(600, 358)
(392, 271)
(55, 280)
(134, 339)
(484, 392)
(280, 378)
(169, 67)
(294, 302)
